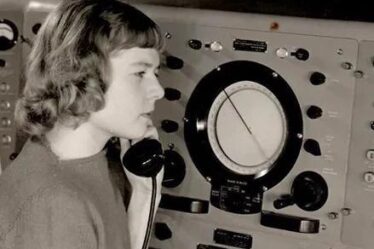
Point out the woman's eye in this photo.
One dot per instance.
(140, 74)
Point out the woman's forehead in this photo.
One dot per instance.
(136, 56)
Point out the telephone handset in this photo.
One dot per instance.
(144, 158)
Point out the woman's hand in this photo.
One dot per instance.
(138, 183)
(141, 195)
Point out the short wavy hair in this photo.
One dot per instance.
(67, 69)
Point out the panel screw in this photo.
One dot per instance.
(358, 74)
(333, 215)
(347, 65)
(346, 211)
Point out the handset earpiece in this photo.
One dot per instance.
(144, 158)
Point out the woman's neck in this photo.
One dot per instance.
(69, 143)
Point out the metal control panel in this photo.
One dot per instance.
(323, 199)
(10, 74)
(295, 93)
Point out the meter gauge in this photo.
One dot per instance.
(247, 128)
(252, 126)
(8, 34)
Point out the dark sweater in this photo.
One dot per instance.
(46, 203)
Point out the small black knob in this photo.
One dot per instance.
(35, 28)
(13, 156)
(317, 78)
(172, 94)
(162, 231)
(2, 63)
(312, 146)
(314, 112)
(174, 63)
(195, 44)
(301, 54)
(169, 126)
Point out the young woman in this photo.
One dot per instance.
(92, 75)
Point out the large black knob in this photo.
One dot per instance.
(169, 126)
(172, 94)
(175, 169)
(317, 78)
(314, 112)
(162, 231)
(173, 62)
(309, 191)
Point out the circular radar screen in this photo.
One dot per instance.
(243, 123)
(247, 128)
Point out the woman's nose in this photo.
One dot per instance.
(157, 91)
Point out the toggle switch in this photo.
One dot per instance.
(6, 139)
(4, 105)
(5, 122)
(4, 87)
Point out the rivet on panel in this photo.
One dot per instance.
(168, 35)
(347, 65)
(340, 51)
(358, 74)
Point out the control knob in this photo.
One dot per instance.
(172, 94)
(312, 146)
(173, 62)
(169, 126)
(301, 54)
(309, 192)
(314, 112)
(195, 44)
(162, 231)
(175, 168)
(317, 78)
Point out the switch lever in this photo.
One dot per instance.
(184, 204)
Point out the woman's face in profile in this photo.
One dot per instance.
(131, 95)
